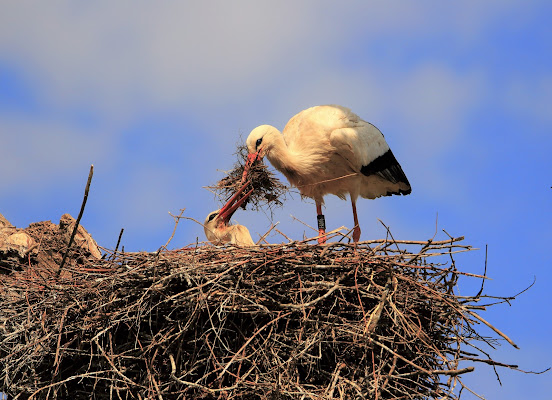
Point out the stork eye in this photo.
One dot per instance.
(212, 216)
(258, 143)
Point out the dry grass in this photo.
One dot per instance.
(268, 190)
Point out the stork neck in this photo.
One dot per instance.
(284, 160)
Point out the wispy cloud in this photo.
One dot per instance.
(125, 57)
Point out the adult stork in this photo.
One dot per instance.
(330, 150)
(218, 229)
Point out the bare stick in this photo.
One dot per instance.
(273, 226)
(192, 384)
(176, 221)
(118, 241)
(312, 302)
(307, 225)
(78, 220)
(450, 372)
(493, 328)
(281, 233)
(484, 274)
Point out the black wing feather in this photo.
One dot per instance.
(387, 167)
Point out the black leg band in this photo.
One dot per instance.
(321, 222)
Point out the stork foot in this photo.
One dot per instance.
(356, 234)
(322, 238)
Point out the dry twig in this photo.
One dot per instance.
(90, 174)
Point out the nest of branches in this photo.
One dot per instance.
(290, 321)
(267, 189)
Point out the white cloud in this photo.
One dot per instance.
(123, 57)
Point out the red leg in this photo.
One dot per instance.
(356, 229)
(321, 224)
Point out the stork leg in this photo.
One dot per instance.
(321, 223)
(356, 229)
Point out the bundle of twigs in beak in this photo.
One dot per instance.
(267, 189)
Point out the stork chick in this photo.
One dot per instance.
(218, 229)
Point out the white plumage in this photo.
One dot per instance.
(220, 233)
(330, 150)
(218, 229)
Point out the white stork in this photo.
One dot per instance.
(217, 225)
(330, 150)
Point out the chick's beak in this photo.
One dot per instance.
(233, 204)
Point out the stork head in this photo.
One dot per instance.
(259, 143)
(259, 140)
(210, 226)
(217, 221)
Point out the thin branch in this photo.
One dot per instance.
(78, 220)
(176, 221)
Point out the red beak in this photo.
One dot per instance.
(232, 205)
(251, 158)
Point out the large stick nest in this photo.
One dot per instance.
(294, 321)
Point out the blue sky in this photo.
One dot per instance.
(156, 96)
